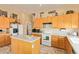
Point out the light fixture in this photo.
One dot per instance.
(40, 5)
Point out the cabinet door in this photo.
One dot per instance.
(61, 42)
(75, 21)
(68, 47)
(7, 39)
(55, 22)
(1, 40)
(60, 22)
(14, 45)
(71, 20)
(4, 22)
(11, 20)
(67, 21)
(37, 23)
(1, 24)
(54, 41)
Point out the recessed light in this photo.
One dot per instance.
(40, 5)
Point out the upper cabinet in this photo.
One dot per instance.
(71, 20)
(64, 21)
(5, 22)
(11, 20)
(37, 23)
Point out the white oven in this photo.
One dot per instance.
(16, 29)
(46, 34)
(46, 39)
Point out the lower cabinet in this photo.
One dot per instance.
(19, 46)
(7, 39)
(58, 41)
(54, 41)
(68, 47)
(62, 43)
(1, 40)
(4, 40)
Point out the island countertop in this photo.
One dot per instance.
(28, 38)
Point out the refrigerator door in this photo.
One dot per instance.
(20, 29)
(29, 29)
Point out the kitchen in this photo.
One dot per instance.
(38, 31)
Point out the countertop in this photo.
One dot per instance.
(74, 40)
(4, 33)
(27, 38)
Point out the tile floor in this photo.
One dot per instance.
(51, 50)
(44, 50)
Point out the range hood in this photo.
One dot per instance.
(47, 25)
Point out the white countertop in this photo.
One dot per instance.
(27, 38)
(74, 41)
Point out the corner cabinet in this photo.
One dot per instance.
(58, 41)
(68, 47)
(61, 42)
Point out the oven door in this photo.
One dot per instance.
(46, 39)
(15, 31)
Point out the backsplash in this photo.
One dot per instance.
(61, 31)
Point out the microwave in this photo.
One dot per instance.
(15, 30)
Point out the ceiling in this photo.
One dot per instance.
(30, 8)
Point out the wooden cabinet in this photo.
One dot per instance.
(71, 20)
(7, 39)
(63, 21)
(11, 20)
(37, 23)
(20, 46)
(58, 41)
(1, 40)
(38, 35)
(54, 22)
(75, 20)
(5, 22)
(4, 40)
(54, 41)
(68, 47)
(61, 42)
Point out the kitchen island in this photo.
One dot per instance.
(25, 44)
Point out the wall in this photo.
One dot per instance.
(23, 18)
(24, 11)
